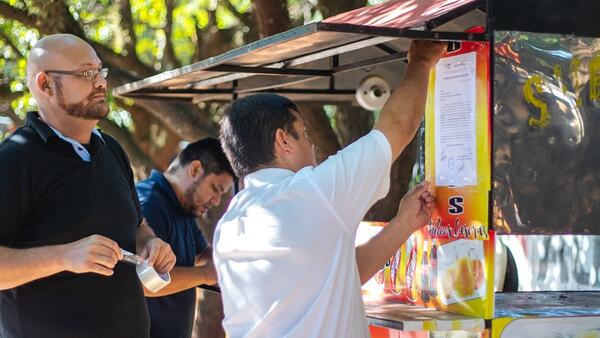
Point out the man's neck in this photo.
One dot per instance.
(281, 164)
(174, 182)
(78, 129)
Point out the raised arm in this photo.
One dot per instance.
(403, 111)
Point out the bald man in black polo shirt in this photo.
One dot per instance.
(68, 206)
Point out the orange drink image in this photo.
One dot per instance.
(468, 276)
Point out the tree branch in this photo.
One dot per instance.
(13, 13)
(5, 109)
(334, 7)
(169, 60)
(7, 39)
(56, 18)
(197, 41)
(273, 16)
(179, 117)
(320, 130)
(128, 63)
(127, 26)
(6, 95)
(203, 37)
(248, 19)
(186, 120)
(138, 158)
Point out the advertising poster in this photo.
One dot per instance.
(457, 143)
(449, 264)
(453, 275)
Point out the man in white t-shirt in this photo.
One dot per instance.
(284, 250)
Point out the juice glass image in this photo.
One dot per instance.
(460, 264)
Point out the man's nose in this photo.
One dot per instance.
(100, 82)
(217, 200)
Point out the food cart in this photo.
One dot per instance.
(509, 143)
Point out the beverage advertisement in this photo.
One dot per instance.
(448, 264)
(384, 332)
(457, 143)
(453, 275)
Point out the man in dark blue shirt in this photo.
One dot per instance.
(171, 202)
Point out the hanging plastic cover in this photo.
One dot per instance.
(546, 123)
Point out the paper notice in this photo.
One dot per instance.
(454, 106)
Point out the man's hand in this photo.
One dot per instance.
(414, 212)
(159, 255)
(416, 207)
(426, 52)
(94, 253)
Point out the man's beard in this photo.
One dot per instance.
(87, 109)
(189, 205)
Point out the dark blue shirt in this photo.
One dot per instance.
(171, 316)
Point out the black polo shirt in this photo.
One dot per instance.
(51, 196)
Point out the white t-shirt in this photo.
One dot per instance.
(284, 250)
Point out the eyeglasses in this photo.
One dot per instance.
(89, 75)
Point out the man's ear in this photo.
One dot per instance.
(281, 141)
(43, 83)
(195, 169)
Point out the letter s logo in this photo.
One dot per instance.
(455, 205)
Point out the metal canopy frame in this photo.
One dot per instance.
(218, 78)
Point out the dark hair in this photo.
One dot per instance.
(248, 130)
(209, 152)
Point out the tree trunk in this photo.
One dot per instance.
(273, 16)
(352, 122)
(185, 119)
(209, 310)
(180, 117)
(319, 130)
(154, 139)
(386, 208)
(169, 60)
(333, 7)
(142, 164)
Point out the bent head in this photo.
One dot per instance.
(203, 175)
(64, 76)
(265, 130)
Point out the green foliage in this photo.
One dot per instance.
(102, 22)
(194, 24)
(121, 117)
(303, 12)
(330, 111)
